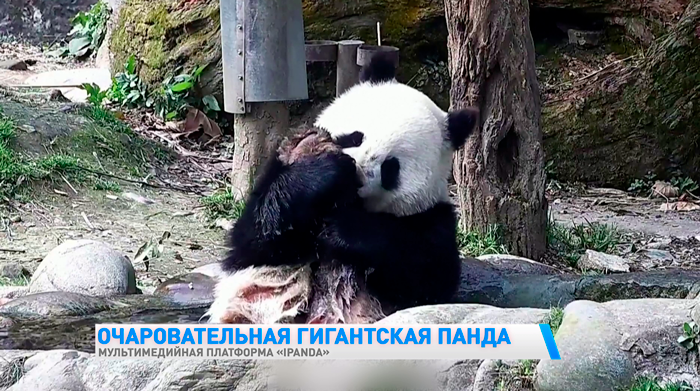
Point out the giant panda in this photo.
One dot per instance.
(352, 216)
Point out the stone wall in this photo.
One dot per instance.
(39, 20)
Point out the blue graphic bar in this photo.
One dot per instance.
(549, 341)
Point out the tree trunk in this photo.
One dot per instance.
(257, 134)
(500, 171)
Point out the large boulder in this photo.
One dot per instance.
(84, 266)
(603, 346)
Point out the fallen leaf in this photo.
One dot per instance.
(151, 249)
(196, 118)
(680, 206)
(665, 190)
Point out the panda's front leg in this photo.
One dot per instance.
(308, 176)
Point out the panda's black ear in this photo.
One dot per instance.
(380, 69)
(460, 124)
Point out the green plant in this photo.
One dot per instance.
(691, 335)
(95, 95)
(554, 318)
(475, 243)
(643, 186)
(18, 281)
(684, 184)
(223, 204)
(127, 87)
(174, 95)
(571, 242)
(648, 383)
(89, 29)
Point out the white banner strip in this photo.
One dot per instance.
(328, 342)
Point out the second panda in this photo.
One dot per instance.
(352, 217)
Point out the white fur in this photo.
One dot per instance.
(291, 282)
(398, 121)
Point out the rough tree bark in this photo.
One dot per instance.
(500, 171)
(257, 134)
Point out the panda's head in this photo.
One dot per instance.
(402, 142)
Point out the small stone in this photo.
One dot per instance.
(57, 96)
(14, 65)
(594, 260)
(224, 224)
(660, 243)
(584, 38)
(658, 255)
(212, 270)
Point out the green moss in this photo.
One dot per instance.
(166, 37)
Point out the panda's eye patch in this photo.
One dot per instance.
(351, 140)
(390, 173)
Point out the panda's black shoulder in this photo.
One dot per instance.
(442, 214)
(380, 69)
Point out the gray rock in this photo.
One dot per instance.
(659, 243)
(225, 224)
(662, 256)
(484, 284)
(604, 345)
(57, 370)
(514, 264)
(465, 314)
(84, 266)
(14, 271)
(41, 305)
(12, 365)
(14, 65)
(584, 38)
(212, 270)
(594, 260)
(13, 292)
(190, 288)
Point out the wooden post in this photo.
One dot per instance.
(348, 72)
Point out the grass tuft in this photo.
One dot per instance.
(474, 243)
(223, 204)
(572, 242)
(555, 317)
(19, 281)
(647, 383)
(105, 144)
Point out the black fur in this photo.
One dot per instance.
(415, 258)
(310, 209)
(284, 212)
(380, 69)
(351, 140)
(460, 124)
(390, 173)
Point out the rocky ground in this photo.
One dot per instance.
(150, 228)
